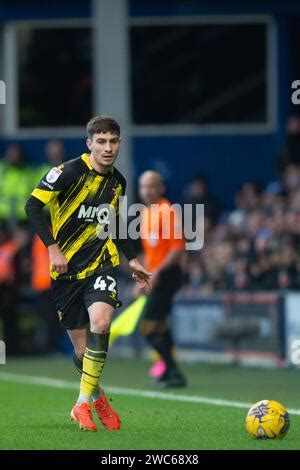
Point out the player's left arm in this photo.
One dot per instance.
(140, 274)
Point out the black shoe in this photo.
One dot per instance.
(171, 379)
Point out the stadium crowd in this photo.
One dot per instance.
(255, 246)
(24, 264)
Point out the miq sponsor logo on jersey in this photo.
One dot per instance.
(90, 213)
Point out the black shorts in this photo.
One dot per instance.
(159, 301)
(73, 298)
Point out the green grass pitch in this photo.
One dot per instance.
(36, 415)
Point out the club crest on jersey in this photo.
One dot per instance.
(53, 175)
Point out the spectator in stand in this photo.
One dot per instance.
(290, 179)
(249, 197)
(55, 155)
(287, 265)
(290, 151)
(263, 272)
(41, 284)
(197, 192)
(14, 186)
(9, 248)
(257, 245)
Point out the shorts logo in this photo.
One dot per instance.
(53, 175)
(60, 315)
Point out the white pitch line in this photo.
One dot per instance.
(58, 383)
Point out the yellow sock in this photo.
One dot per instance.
(93, 363)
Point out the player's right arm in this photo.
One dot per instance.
(57, 259)
(50, 186)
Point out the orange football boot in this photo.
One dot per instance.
(106, 414)
(82, 414)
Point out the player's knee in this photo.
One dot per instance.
(100, 327)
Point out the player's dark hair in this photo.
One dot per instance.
(102, 123)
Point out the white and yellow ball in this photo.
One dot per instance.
(267, 419)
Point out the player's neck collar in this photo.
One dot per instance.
(85, 158)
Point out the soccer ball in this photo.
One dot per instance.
(267, 419)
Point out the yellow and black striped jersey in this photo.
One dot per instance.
(75, 190)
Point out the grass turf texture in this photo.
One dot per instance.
(37, 417)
